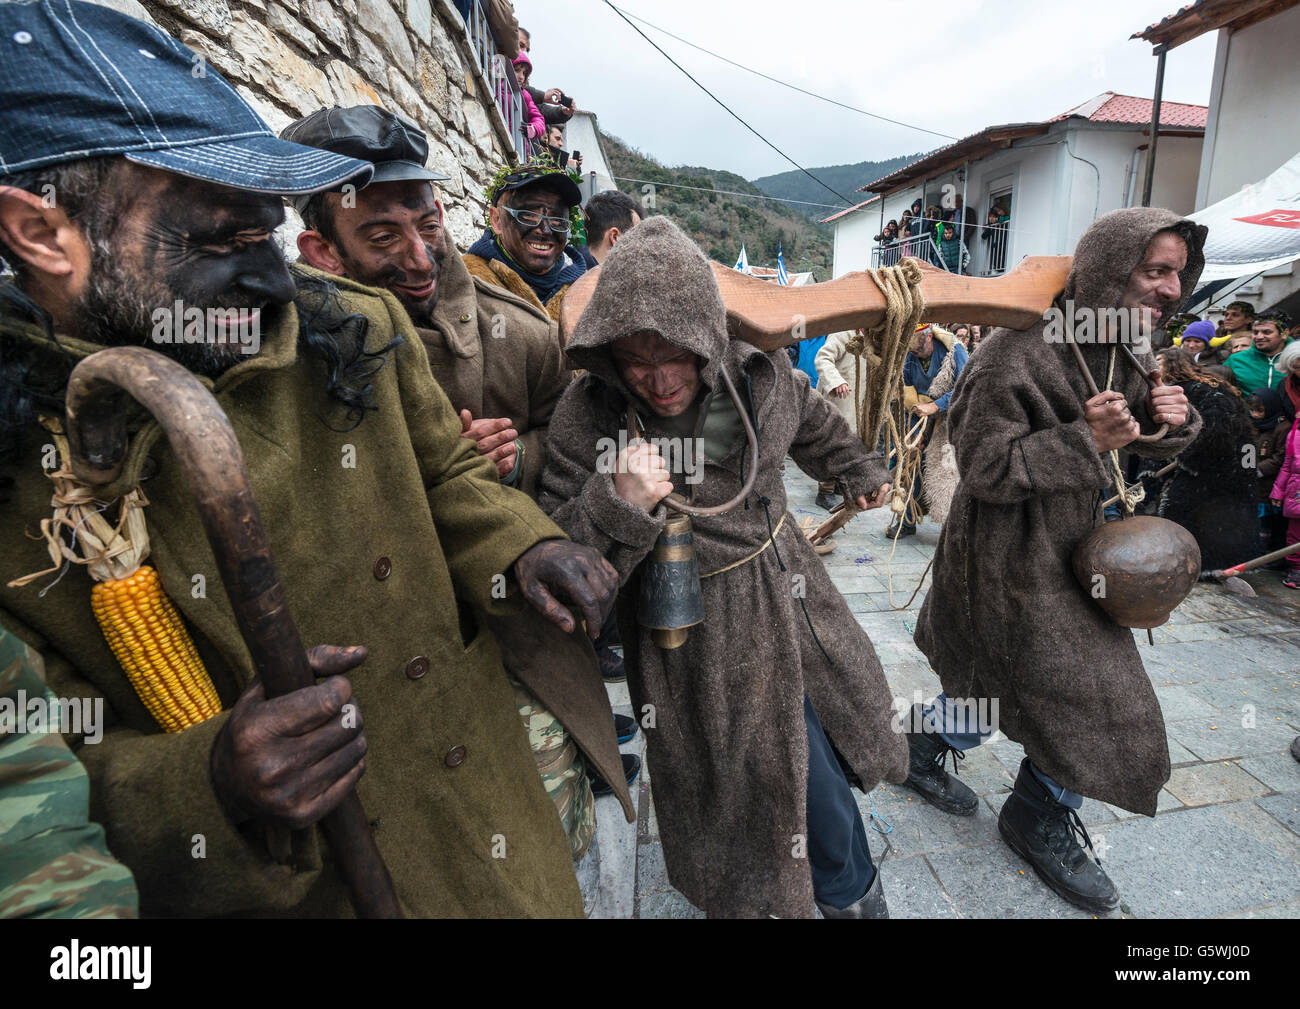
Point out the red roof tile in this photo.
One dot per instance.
(848, 210)
(1109, 107)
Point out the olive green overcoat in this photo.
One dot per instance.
(389, 534)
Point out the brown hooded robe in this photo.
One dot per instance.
(1006, 619)
(728, 750)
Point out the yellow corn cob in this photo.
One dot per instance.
(154, 648)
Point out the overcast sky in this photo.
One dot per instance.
(949, 66)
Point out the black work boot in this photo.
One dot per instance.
(1042, 832)
(870, 905)
(925, 774)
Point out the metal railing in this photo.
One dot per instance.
(922, 247)
(997, 238)
(500, 75)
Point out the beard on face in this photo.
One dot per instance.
(117, 307)
(389, 275)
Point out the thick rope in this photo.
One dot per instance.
(903, 504)
(1129, 497)
(885, 345)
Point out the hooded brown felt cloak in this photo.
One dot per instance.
(728, 749)
(1006, 618)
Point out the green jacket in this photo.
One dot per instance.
(1253, 369)
(53, 860)
(387, 534)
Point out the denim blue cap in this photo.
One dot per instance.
(78, 80)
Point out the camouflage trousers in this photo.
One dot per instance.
(561, 768)
(54, 862)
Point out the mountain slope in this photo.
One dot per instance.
(846, 179)
(698, 199)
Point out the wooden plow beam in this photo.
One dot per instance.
(769, 315)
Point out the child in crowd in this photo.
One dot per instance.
(1271, 414)
(1286, 489)
(534, 124)
(1196, 341)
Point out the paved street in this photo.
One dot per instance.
(1226, 839)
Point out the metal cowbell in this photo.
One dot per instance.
(1138, 569)
(671, 600)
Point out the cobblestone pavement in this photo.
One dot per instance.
(1225, 841)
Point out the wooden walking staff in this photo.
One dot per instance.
(204, 443)
(765, 314)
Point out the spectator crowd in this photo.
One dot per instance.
(943, 236)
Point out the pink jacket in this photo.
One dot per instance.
(1287, 486)
(536, 125)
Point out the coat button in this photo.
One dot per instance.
(417, 667)
(383, 568)
(456, 756)
(464, 317)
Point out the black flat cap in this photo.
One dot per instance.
(397, 147)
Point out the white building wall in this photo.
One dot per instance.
(580, 134)
(1254, 123)
(854, 237)
(1174, 187)
(1054, 196)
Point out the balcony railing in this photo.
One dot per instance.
(996, 246)
(922, 247)
(500, 74)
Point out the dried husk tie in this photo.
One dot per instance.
(110, 551)
(145, 632)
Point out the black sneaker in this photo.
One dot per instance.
(898, 530)
(870, 905)
(631, 768)
(827, 500)
(624, 728)
(1042, 831)
(927, 752)
(610, 658)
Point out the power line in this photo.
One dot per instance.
(727, 192)
(837, 195)
(784, 84)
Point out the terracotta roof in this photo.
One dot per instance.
(973, 147)
(1167, 20)
(848, 210)
(1203, 16)
(1109, 107)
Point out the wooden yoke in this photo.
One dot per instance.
(767, 314)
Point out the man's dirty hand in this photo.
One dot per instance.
(557, 572)
(288, 761)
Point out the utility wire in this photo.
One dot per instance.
(837, 195)
(726, 192)
(792, 87)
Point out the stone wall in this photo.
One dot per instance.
(289, 58)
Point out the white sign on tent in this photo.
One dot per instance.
(1255, 229)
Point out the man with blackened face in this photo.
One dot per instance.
(498, 360)
(389, 234)
(153, 240)
(369, 495)
(525, 247)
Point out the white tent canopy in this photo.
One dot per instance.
(1255, 229)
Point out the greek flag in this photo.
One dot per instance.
(742, 264)
(781, 276)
